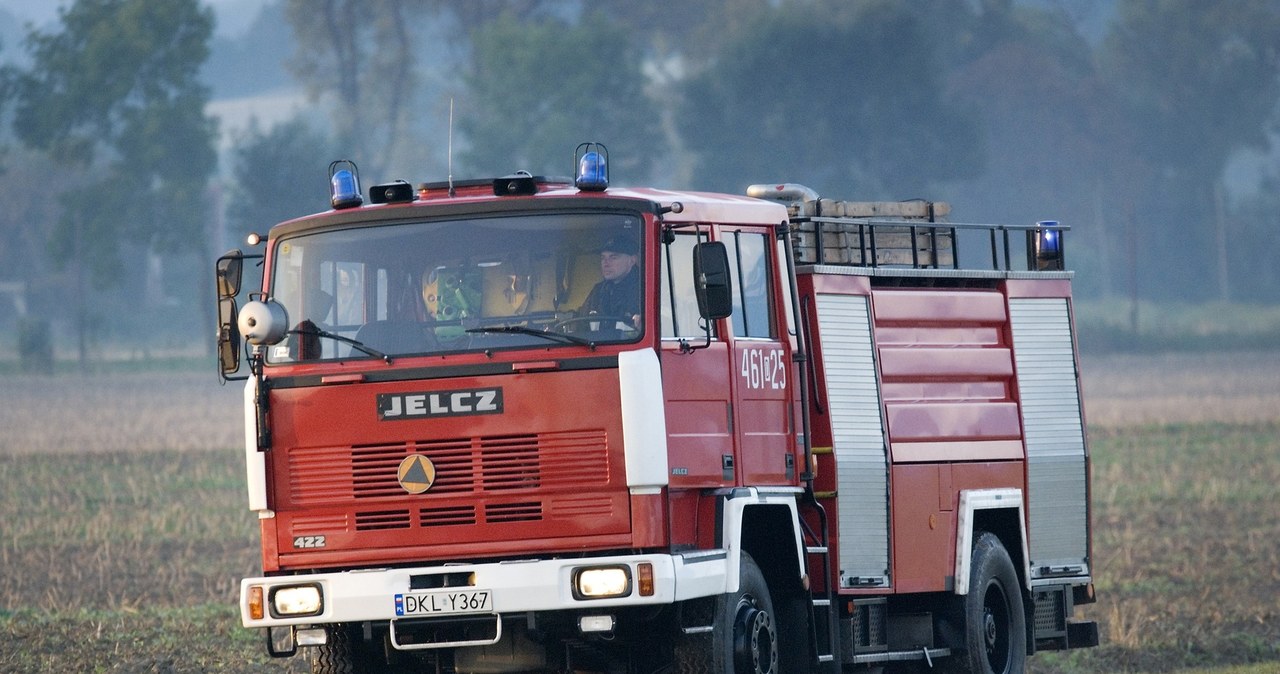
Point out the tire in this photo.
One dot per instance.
(343, 653)
(745, 635)
(995, 637)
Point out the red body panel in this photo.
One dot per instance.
(947, 371)
(763, 421)
(924, 550)
(944, 364)
(698, 415)
(555, 480)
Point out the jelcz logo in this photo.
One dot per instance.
(395, 406)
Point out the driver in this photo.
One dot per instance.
(618, 294)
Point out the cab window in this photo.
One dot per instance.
(679, 311)
(749, 265)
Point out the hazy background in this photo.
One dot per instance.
(140, 140)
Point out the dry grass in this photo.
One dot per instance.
(119, 413)
(125, 562)
(1186, 477)
(1187, 546)
(142, 528)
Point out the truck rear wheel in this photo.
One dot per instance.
(994, 622)
(745, 635)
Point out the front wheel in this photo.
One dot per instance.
(995, 634)
(344, 652)
(744, 639)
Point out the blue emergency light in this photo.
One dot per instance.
(1047, 246)
(344, 184)
(593, 167)
(1050, 239)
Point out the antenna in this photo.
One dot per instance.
(451, 192)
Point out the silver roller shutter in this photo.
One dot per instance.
(1050, 396)
(857, 427)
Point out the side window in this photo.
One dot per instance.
(679, 314)
(749, 264)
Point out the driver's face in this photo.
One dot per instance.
(614, 266)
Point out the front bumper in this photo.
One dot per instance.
(512, 586)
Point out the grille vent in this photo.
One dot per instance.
(482, 480)
(1050, 613)
(501, 463)
(514, 512)
(447, 516)
(385, 519)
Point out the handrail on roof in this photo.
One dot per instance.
(919, 244)
(903, 234)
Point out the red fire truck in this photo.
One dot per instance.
(548, 425)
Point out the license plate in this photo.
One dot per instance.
(445, 602)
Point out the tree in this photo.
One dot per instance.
(537, 89)
(1200, 81)
(1053, 139)
(847, 101)
(1255, 274)
(360, 52)
(279, 174)
(115, 92)
(362, 58)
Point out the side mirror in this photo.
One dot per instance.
(227, 276)
(711, 279)
(228, 337)
(229, 272)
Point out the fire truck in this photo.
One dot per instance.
(534, 424)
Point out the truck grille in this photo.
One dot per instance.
(497, 464)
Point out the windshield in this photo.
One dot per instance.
(448, 286)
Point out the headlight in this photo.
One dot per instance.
(602, 582)
(296, 600)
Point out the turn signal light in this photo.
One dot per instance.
(644, 579)
(256, 607)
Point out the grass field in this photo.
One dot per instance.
(123, 531)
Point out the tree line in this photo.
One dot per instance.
(1006, 109)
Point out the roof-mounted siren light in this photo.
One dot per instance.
(1046, 246)
(394, 192)
(592, 160)
(518, 184)
(344, 184)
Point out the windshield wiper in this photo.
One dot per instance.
(355, 343)
(526, 330)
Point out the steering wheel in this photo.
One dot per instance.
(602, 319)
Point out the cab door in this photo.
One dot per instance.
(696, 379)
(760, 361)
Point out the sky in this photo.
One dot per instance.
(233, 16)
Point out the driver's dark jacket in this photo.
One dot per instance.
(619, 298)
